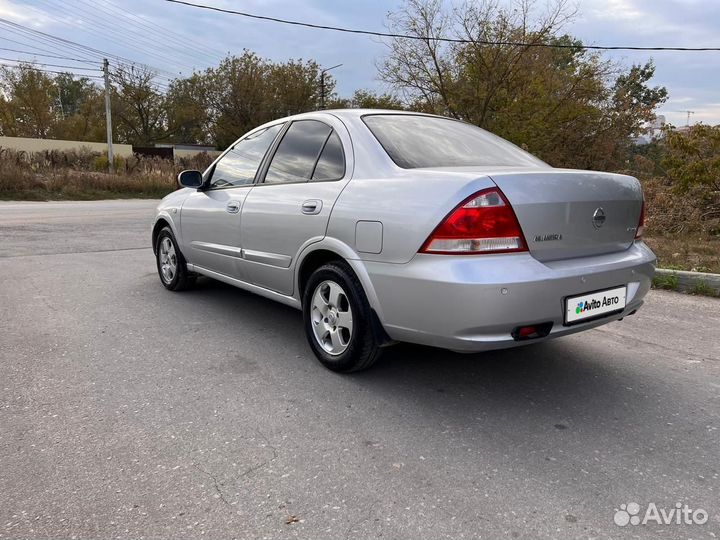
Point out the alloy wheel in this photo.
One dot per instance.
(168, 260)
(331, 317)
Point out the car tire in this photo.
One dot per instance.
(333, 301)
(171, 265)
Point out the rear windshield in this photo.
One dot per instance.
(414, 141)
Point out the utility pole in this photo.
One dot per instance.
(322, 90)
(108, 117)
(322, 85)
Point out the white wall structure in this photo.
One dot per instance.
(40, 145)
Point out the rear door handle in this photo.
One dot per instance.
(232, 207)
(312, 207)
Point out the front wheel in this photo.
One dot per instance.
(171, 263)
(337, 319)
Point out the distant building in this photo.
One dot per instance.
(651, 132)
(183, 150)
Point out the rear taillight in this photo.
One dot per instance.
(641, 223)
(483, 223)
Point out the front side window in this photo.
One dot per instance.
(298, 152)
(239, 165)
(415, 141)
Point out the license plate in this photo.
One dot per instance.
(593, 305)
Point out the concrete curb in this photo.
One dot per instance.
(693, 282)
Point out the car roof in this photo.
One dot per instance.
(355, 113)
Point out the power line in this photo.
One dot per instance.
(442, 39)
(83, 49)
(142, 21)
(30, 44)
(32, 53)
(57, 45)
(83, 17)
(160, 42)
(49, 41)
(49, 65)
(83, 75)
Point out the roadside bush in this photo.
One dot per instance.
(100, 163)
(671, 212)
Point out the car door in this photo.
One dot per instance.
(210, 218)
(290, 205)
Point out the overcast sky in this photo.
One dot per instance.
(151, 31)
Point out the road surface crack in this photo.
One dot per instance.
(215, 483)
(266, 462)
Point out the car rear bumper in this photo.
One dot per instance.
(473, 303)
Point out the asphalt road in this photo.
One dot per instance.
(129, 411)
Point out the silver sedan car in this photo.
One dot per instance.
(385, 226)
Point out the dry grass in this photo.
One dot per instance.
(683, 229)
(675, 213)
(81, 175)
(694, 252)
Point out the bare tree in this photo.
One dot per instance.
(512, 70)
(139, 107)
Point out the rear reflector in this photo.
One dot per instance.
(527, 331)
(535, 331)
(483, 223)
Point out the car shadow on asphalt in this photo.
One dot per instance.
(561, 380)
(566, 381)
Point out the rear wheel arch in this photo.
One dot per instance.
(322, 256)
(311, 262)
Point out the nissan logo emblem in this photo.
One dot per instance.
(599, 218)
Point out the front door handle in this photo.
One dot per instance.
(232, 207)
(311, 206)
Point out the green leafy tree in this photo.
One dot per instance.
(29, 102)
(36, 104)
(365, 99)
(80, 109)
(73, 93)
(236, 96)
(692, 158)
(189, 112)
(245, 91)
(294, 87)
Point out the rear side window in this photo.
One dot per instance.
(331, 165)
(298, 152)
(239, 165)
(414, 141)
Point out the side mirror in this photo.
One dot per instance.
(191, 179)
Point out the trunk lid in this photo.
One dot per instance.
(568, 213)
